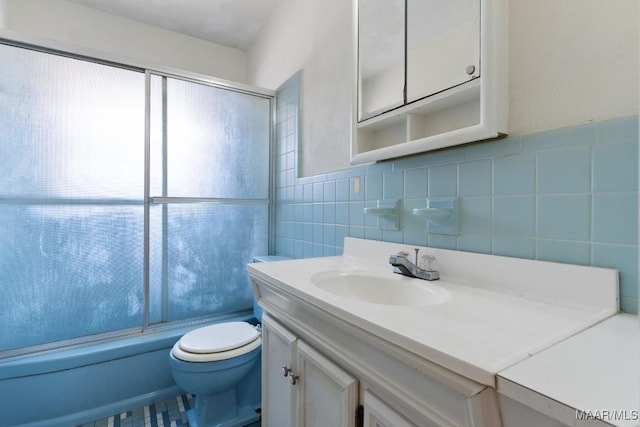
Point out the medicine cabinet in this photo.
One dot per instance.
(429, 74)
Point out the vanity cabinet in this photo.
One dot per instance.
(428, 74)
(378, 414)
(301, 387)
(417, 363)
(321, 371)
(278, 394)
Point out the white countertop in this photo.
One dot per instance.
(485, 327)
(595, 371)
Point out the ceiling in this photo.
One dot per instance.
(232, 23)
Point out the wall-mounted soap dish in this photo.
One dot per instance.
(441, 215)
(387, 213)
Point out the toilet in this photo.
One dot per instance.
(210, 362)
(220, 364)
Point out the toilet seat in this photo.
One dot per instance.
(217, 342)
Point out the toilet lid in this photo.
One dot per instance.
(218, 338)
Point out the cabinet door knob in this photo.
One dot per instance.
(285, 371)
(471, 69)
(293, 378)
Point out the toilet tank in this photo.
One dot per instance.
(257, 310)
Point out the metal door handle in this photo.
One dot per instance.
(293, 378)
(285, 371)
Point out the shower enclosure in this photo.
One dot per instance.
(129, 199)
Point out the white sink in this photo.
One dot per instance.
(380, 288)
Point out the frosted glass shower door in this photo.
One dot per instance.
(127, 199)
(210, 197)
(71, 198)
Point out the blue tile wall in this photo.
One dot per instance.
(566, 195)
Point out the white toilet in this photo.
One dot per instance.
(210, 362)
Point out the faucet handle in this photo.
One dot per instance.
(429, 263)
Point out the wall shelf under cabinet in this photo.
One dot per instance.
(421, 124)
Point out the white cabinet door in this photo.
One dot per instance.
(278, 355)
(300, 386)
(327, 395)
(379, 414)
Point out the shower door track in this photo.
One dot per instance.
(216, 200)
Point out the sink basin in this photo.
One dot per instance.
(381, 288)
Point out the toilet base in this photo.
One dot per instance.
(219, 410)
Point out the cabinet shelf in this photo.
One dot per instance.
(462, 94)
(424, 125)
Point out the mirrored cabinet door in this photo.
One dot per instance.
(443, 45)
(381, 49)
(428, 74)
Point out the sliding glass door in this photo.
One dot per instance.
(127, 198)
(210, 197)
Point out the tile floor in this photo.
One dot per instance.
(167, 413)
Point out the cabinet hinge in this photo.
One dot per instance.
(360, 416)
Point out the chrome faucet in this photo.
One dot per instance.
(402, 265)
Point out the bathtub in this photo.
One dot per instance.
(81, 384)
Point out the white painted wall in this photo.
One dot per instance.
(4, 14)
(315, 36)
(571, 62)
(78, 25)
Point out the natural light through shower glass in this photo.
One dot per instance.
(73, 208)
(210, 173)
(69, 128)
(218, 142)
(207, 248)
(71, 197)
